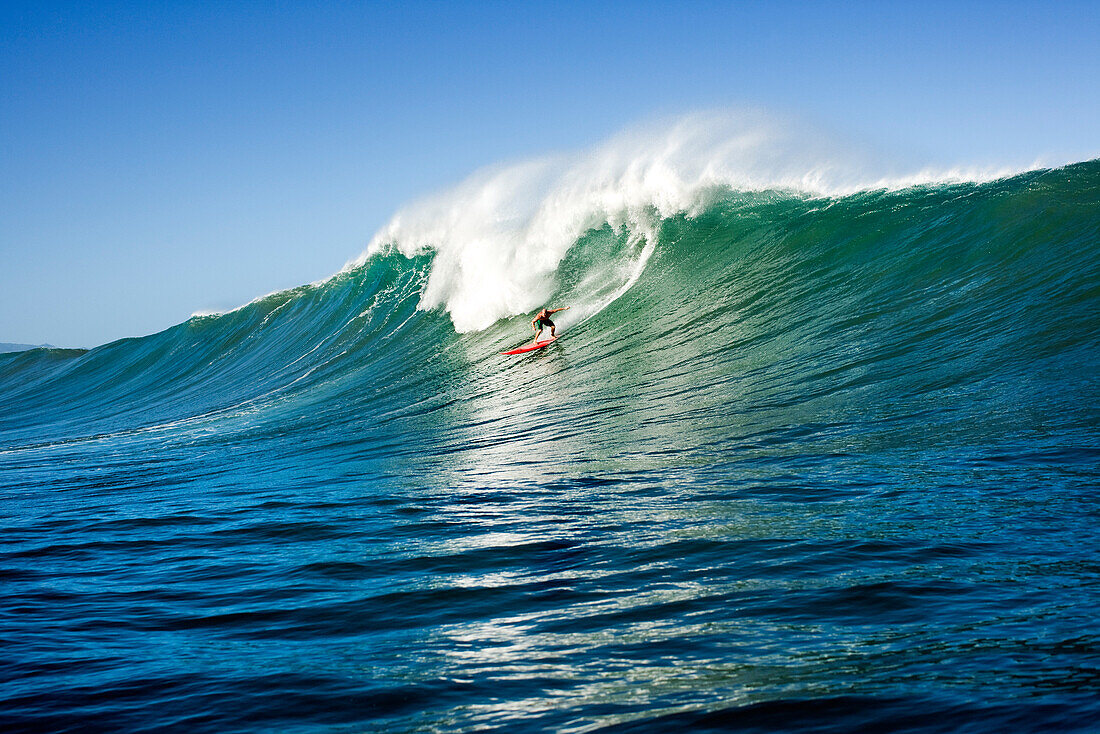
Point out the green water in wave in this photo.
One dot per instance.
(948, 302)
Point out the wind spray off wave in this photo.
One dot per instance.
(499, 237)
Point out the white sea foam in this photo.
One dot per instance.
(500, 235)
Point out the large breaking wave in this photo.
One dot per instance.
(499, 236)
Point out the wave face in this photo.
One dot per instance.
(802, 460)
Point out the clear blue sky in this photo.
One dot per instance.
(162, 158)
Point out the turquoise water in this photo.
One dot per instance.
(827, 464)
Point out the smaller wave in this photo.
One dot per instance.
(499, 237)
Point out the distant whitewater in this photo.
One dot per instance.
(818, 451)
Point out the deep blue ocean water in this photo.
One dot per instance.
(827, 465)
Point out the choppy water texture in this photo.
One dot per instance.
(829, 464)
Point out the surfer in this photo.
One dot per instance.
(542, 319)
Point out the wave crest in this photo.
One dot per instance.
(499, 236)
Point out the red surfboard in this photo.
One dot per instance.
(532, 346)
